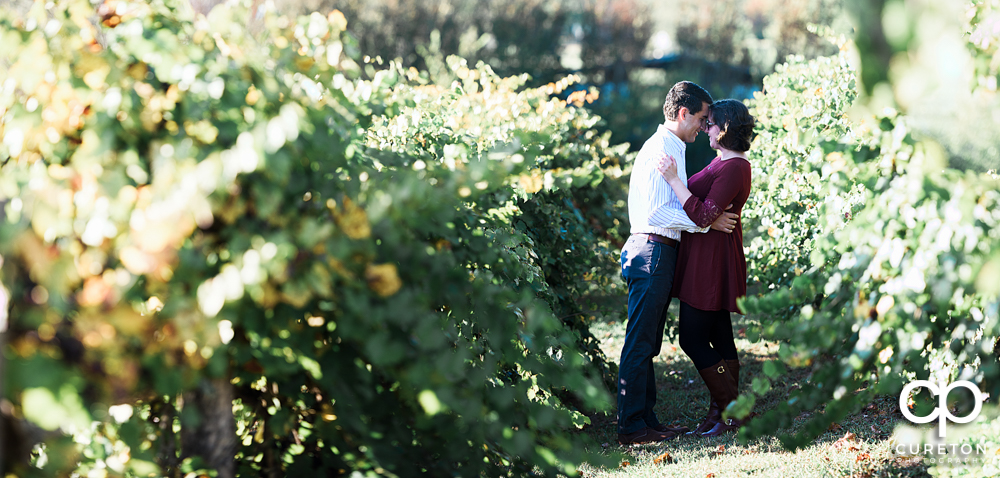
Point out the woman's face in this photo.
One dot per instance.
(712, 130)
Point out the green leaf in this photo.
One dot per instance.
(54, 410)
(774, 369)
(761, 385)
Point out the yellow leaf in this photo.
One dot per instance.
(337, 20)
(849, 442)
(352, 220)
(259, 436)
(665, 457)
(577, 97)
(253, 95)
(531, 184)
(383, 279)
(94, 71)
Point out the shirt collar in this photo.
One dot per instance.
(669, 135)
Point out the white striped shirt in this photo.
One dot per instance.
(653, 207)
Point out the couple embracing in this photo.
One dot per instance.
(686, 242)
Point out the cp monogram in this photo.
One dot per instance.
(942, 409)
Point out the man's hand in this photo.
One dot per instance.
(726, 222)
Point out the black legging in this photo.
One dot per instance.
(706, 336)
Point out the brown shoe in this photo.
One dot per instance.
(723, 426)
(713, 417)
(714, 414)
(646, 435)
(676, 430)
(722, 386)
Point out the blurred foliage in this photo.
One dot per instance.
(755, 34)
(964, 120)
(513, 37)
(879, 259)
(724, 46)
(614, 36)
(372, 260)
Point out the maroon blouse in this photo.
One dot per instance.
(711, 268)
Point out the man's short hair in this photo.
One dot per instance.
(736, 124)
(685, 94)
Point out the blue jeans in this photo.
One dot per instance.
(648, 270)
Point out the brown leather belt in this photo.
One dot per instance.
(661, 239)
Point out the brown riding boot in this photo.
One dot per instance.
(722, 385)
(713, 417)
(734, 371)
(714, 411)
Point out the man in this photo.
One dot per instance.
(657, 218)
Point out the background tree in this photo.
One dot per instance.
(523, 36)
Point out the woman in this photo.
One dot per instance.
(711, 268)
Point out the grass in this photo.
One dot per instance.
(860, 446)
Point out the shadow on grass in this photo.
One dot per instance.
(856, 447)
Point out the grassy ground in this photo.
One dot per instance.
(857, 447)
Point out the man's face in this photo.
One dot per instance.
(691, 123)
